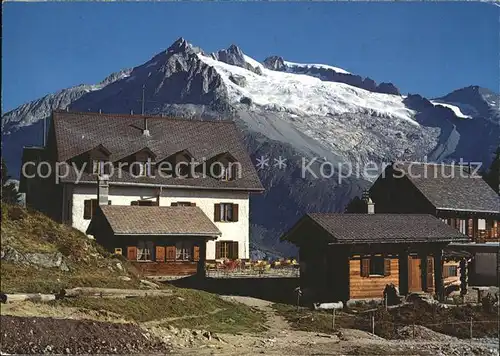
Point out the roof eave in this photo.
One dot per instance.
(469, 210)
(157, 185)
(210, 235)
(377, 242)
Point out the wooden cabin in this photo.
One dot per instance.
(454, 194)
(158, 240)
(354, 256)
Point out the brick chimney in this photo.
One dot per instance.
(103, 189)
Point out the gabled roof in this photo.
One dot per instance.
(102, 148)
(156, 220)
(78, 132)
(451, 187)
(380, 228)
(144, 149)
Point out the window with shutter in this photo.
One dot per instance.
(226, 212)
(226, 249)
(90, 207)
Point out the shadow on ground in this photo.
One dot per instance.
(278, 290)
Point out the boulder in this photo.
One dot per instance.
(149, 284)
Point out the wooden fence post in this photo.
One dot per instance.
(333, 319)
(471, 328)
(373, 323)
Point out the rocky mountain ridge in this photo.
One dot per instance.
(299, 112)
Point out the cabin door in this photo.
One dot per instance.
(414, 275)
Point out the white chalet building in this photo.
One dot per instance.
(149, 170)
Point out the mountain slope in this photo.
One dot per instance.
(299, 112)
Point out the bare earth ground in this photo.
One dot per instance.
(277, 339)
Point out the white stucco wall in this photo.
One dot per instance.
(205, 199)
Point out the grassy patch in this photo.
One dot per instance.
(314, 320)
(187, 309)
(233, 319)
(31, 232)
(26, 279)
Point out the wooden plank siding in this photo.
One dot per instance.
(166, 269)
(373, 286)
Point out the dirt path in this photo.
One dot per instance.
(166, 320)
(280, 339)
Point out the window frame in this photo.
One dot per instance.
(143, 202)
(227, 249)
(94, 204)
(376, 263)
(184, 251)
(144, 249)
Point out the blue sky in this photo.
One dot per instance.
(428, 48)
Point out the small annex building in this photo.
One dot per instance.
(354, 256)
(158, 240)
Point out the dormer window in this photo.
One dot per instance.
(230, 172)
(224, 167)
(177, 165)
(141, 163)
(142, 169)
(100, 167)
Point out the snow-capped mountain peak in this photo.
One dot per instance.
(318, 66)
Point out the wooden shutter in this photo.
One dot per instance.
(170, 253)
(196, 253)
(132, 253)
(217, 212)
(235, 212)
(135, 202)
(87, 209)
(218, 245)
(173, 204)
(160, 253)
(365, 267)
(233, 252)
(470, 227)
(95, 205)
(387, 266)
